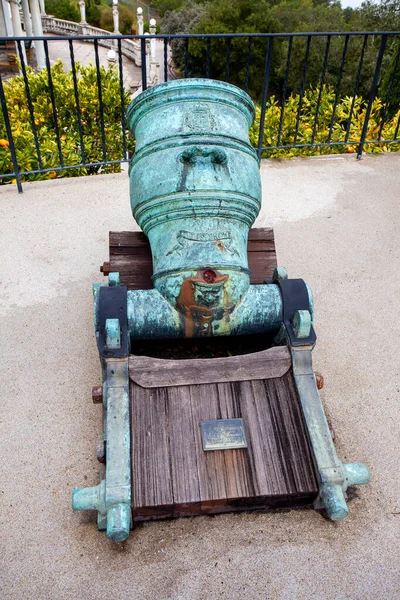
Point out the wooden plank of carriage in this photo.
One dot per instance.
(152, 372)
(130, 256)
(173, 476)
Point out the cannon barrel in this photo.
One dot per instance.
(195, 192)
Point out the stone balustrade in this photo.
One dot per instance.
(129, 48)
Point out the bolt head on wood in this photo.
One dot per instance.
(97, 394)
(319, 379)
(332, 432)
(101, 451)
(105, 268)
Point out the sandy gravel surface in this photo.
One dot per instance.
(337, 225)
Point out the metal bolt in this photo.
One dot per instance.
(101, 451)
(114, 279)
(319, 379)
(105, 268)
(209, 276)
(97, 394)
(301, 324)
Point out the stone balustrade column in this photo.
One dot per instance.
(153, 41)
(154, 75)
(148, 61)
(139, 13)
(38, 30)
(17, 27)
(82, 8)
(42, 8)
(115, 16)
(7, 18)
(27, 18)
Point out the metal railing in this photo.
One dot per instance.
(239, 59)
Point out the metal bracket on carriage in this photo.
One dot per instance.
(112, 324)
(297, 312)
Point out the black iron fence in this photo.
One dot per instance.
(312, 90)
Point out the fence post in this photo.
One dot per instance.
(10, 136)
(372, 95)
(144, 61)
(265, 94)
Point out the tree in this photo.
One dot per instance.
(265, 16)
(220, 17)
(382, 16)
(260, 16)
(93, 13)
(164, 6)
(63, 9)
(302, 16)
(181, 22)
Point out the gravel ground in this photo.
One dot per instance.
(337, 225)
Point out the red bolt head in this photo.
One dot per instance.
(97, 394)
(319, 380)
(105, 268)
(209, 276)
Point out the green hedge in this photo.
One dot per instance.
(322, 126)
(89, 104)
(67, 121)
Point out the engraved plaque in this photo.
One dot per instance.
(223, 434)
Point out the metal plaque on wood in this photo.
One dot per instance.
(223, 434)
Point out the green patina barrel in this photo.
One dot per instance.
(195, 192)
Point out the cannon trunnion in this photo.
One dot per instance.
(204, 435)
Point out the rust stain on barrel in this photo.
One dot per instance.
(207, 285)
